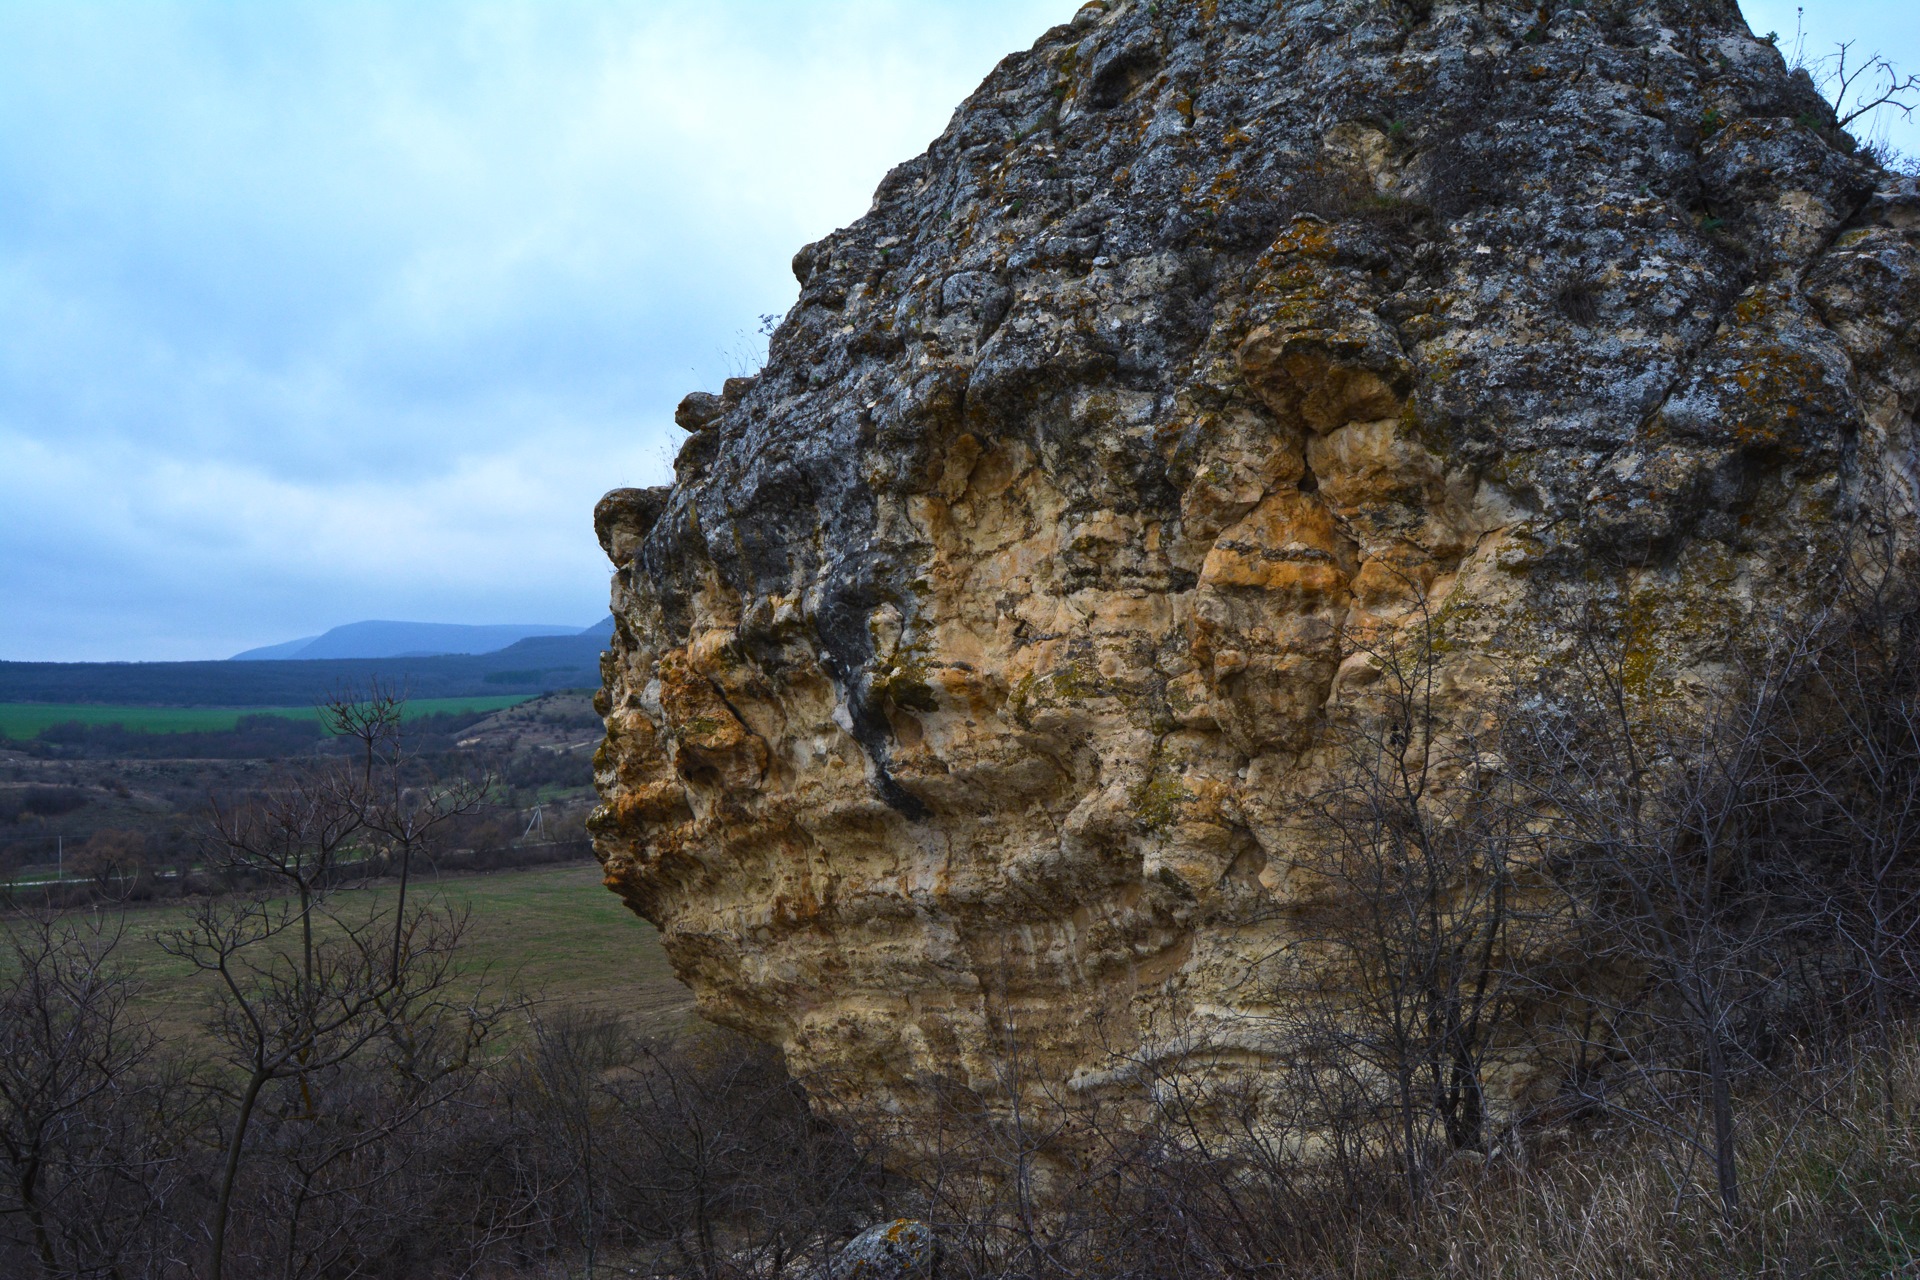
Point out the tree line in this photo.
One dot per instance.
(155, 850)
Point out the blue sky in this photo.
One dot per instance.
(1889, 27)
(319, 312)
(314, 312)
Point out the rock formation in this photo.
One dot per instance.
(963, 678)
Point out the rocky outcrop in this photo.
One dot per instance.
(965, 675)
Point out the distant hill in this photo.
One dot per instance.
(401, 640)
(290, 649)
(538, 664)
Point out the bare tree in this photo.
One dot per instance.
(398, 806)
(91, 1123)
(293, 838)
(308, 982)
(1658, 819)
(112, 859)
(334, 1143)
(1398, 972)
(370, 720)
(1854, 743)
(564, 1093)
(1857, 86)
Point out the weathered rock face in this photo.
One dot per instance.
(964, 676)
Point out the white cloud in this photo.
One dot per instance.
(333, 310)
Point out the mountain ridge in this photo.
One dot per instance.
(537, 664)
(389, 639)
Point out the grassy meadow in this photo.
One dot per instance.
(22, 720)
(551, 933)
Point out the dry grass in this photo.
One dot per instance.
(1830, 1163)
(552, 934)
(1833, 1175)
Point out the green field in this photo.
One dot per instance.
(552, 934)
(22, 720)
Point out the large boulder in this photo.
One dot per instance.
(964, 678)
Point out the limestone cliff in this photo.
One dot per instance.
(963, 677)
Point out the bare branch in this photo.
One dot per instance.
(1859, 88)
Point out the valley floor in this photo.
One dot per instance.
(550, 934)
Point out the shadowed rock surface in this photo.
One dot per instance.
(965, 675)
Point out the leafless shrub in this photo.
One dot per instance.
(1857, 87)
(1658, 831)
(1736, 864)
(92, 1123)
(112, 859)
(1397, 976)
(1579, 301)
(310, 990)
(695, 1155)
(1853, 749)
(726, 1168)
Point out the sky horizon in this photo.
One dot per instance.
(338, 310)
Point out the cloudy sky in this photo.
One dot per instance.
(316, 312)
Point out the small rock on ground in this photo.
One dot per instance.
(904, 1249)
